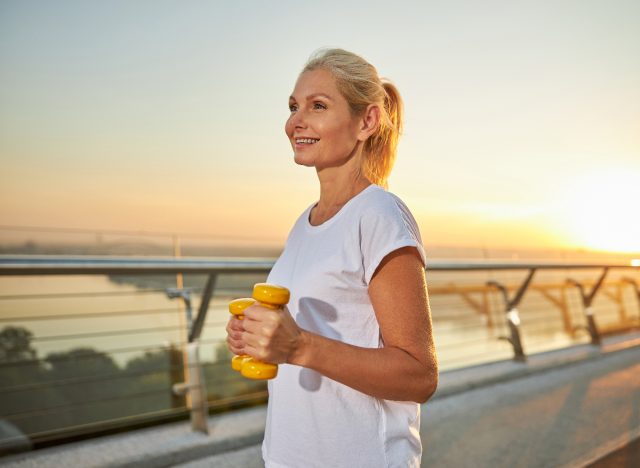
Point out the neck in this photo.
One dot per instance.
(338, 185)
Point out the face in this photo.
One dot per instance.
(321, 128)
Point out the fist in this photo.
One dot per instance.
(269, 335)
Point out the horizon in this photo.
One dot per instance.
(69, 241)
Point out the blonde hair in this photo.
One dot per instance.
(359, 83)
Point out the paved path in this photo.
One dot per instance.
(627, 456)
(569, 416)
(564, 417)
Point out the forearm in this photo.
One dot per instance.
(388, 373)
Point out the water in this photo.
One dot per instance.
(124, 318)
(106, 321)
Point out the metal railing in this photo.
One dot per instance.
(482, 311)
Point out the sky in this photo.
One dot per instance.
(522, 117)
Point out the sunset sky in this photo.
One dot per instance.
(522, 118)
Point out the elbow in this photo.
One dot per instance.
(428, 386)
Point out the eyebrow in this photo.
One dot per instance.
(312, 96)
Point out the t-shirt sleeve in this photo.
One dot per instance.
(389, 227)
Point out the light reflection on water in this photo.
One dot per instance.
(165, 315)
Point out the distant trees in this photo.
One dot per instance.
(15, 344)
(20, 372)
(85, 385)
(151, 377)
(80, 362)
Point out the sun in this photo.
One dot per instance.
(602, 210)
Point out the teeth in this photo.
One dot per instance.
(309, 141)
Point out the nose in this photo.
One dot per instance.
(297, 120)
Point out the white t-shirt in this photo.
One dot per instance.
(314, 421)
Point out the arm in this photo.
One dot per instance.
(405, 369)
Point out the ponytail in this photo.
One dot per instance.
(381, 148)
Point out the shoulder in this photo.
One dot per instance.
(386, 225)
(382, 204)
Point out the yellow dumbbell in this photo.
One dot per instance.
(273, 297)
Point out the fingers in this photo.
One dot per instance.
(235, 330)
(254, 333)
(269, 335)
(235, 324)
(236, 349)
(261, 353)
(262, 322)
(261, 327)
(235, 346)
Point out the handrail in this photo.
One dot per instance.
(31, 265)
(66, 265)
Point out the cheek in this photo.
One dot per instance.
(341, 135)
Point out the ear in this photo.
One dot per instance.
(369, 122)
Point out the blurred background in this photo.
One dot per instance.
(522, 120)
(156, 128)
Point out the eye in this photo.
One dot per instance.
(319, 105)
(293, 107)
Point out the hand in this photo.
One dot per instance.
(270, 335)
(234, 335)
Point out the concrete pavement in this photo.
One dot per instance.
(567, 416)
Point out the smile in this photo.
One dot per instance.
(307, 141)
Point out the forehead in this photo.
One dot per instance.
(319, 81)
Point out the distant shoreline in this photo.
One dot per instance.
(145, 248)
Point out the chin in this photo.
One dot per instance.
(302, 161)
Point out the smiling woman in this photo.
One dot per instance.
(355, 341)
(601, 211)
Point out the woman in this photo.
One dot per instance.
(355, 340)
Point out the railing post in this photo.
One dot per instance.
(512, 315)
(587, 301)
(176, 373)
(194, 388)
(196, 329)
(634, 285)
